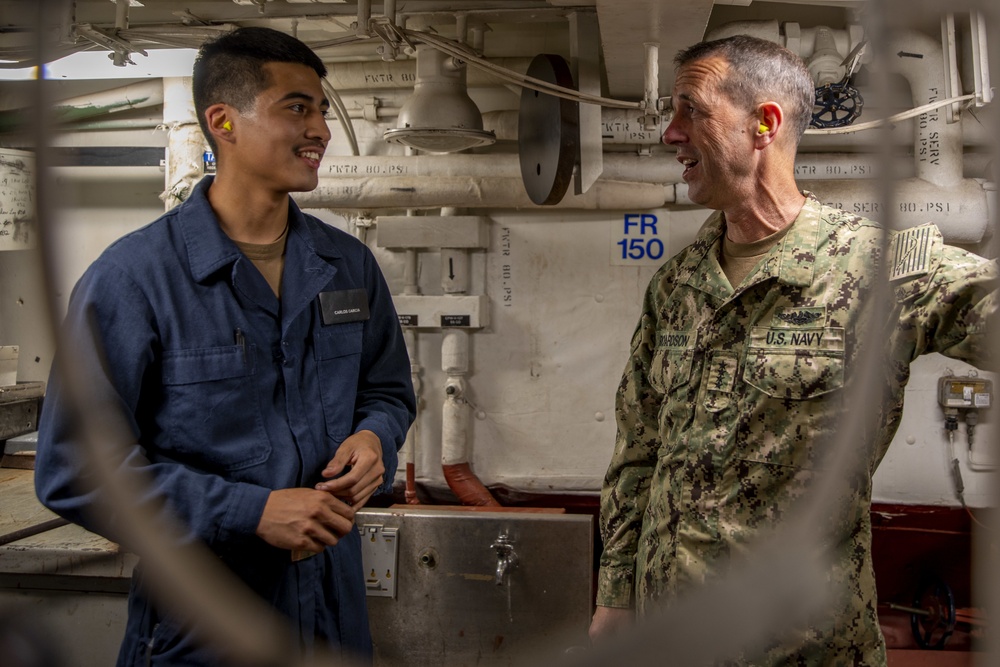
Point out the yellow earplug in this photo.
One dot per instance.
(227, 126)
(764, 128)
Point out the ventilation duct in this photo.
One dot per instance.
(439, 117)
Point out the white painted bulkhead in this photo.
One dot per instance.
(563, 301)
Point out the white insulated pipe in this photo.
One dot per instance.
(455, 411)
(937, 144)
(373, 192)
(185, 142)
(455, 276)
(141, 95)
(961, 212)
(660, 169)
(398, 74)
(409, 449)
(618, 126)
(454, 270)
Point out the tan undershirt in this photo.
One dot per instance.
(269, 258)
(739, 259)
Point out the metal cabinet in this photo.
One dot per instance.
(454, 587)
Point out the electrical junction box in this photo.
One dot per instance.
(379, 550)
(965, 392)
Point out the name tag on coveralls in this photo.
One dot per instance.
(349, 305)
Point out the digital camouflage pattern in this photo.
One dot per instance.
(730, 398)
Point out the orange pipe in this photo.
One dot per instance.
(411, 485)
(466, 485)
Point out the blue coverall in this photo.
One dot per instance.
(230, 394)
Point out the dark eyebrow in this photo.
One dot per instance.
(304, 96)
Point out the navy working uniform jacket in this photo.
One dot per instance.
(230, 394)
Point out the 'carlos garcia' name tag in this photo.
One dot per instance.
(349, 305)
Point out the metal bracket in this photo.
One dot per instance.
(120, 49)
(980, 59)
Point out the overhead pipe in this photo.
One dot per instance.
(660, 169)
(400, 192)
(364, 14)
(618, 126)
(140, 95)
(399, 74)
(960, 212)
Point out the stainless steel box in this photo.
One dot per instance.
(453, 587)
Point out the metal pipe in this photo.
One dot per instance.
(618, 126)
(121, 14)
(959, 211)
(185, 142)
(33, 530)
(937, 144)
(133, 96)
(364, 14)
(411, 285)
(455, 423)
(401, 73)
(410, 444)
(659, 169)
(419, 192)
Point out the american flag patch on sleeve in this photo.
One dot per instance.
(910, 253)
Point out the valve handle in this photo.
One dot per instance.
(837, 105)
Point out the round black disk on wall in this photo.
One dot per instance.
(547, 133)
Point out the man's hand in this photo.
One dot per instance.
(363, 453)
(304, 520)
(610, 621)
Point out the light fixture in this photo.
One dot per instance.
(439, 117)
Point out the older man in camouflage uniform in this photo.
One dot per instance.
(744, 355)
